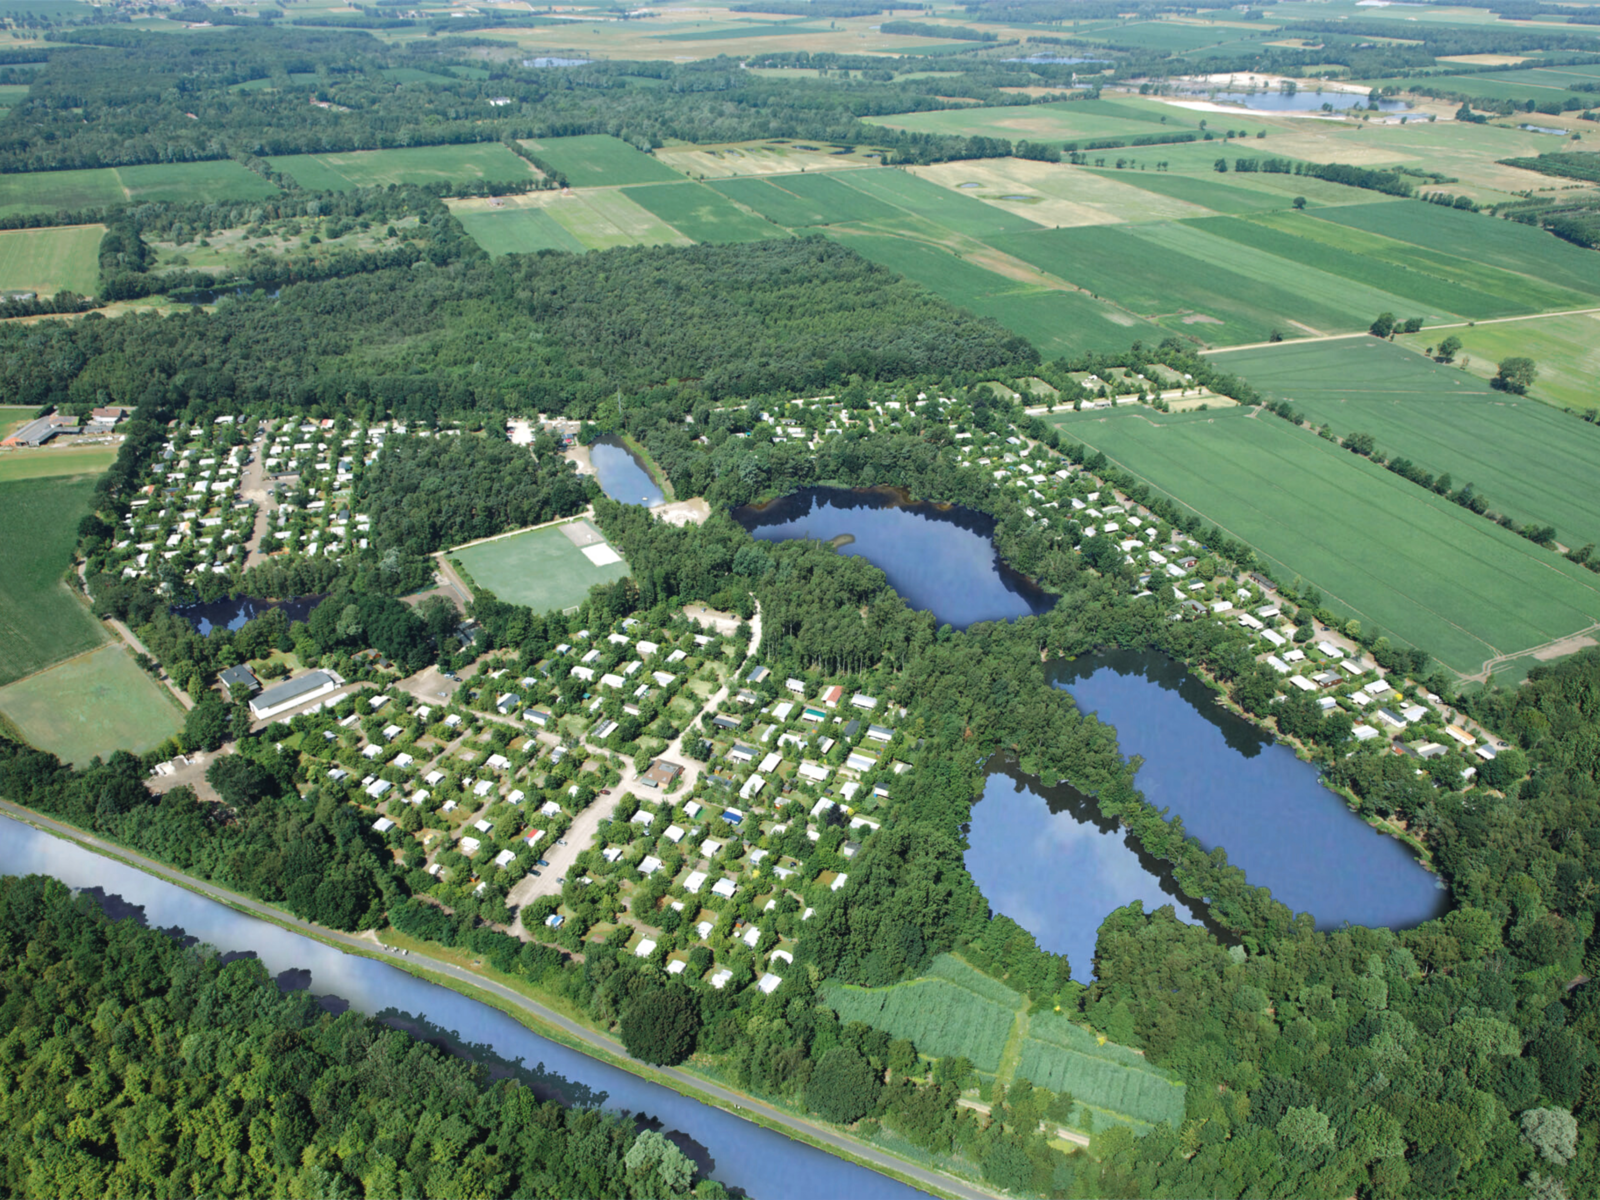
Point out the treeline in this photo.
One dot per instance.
(962, 33)
(134, 1064)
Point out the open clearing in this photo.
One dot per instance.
(92, 705)
(420, 164)
(1410, 564)
(70, 191)
(590, 219)
(697, 211)
(598, 160)
(954, 1009)
(1567, 350)
(1528, 460)
(542, 568)
(47, 261)
(55, 460)
(41, 622)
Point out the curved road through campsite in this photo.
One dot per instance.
(724, 1098)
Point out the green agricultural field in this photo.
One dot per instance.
(418, 164)
(1065, 1057)
(542, 568)
(917, 197)
(1529, 461)
(1566, 349)
(41, 622)
(48, 261)
(91, 705)
(696, 211)
(69, 191)
(599, 160)
(55, 460)
(517, 231)
(940, 1015)
(1405, 562)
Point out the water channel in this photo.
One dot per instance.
(741, 1155)
(206, 615)
(622, 476)
(939, 557)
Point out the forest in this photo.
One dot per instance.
(134, 1064)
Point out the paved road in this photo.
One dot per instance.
(724, 1098)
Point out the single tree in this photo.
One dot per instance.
(1516, 375)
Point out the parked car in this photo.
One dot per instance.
(541, 862)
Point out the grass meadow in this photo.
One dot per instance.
(599, 160)
(517, 231)
(41, 622)
(417, 164)
(1412, 565)
(541, 568)
(92, 705)
(58, 191)
(1527, 459)
(1566, 348)
(1065, 1057)
(48, 261)
(55, 460)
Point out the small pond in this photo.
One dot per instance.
(622, 476)
(1044, 857)
(939, 557)
(206, 615)
(1299, 102)
(759, 1161)
(548, 61)
(1544, 129)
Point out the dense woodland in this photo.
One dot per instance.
(133, 1064)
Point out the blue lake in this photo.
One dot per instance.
(622, 476)
(939, 557)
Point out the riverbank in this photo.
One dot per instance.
(531, 1014)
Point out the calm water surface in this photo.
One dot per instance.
(765, 1164)
(940, 558)
(207, 615)
(1235, 788)
(1301, 101)
(622, 476)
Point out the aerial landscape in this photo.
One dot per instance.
(794, 598)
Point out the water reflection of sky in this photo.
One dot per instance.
(764, 1163)
(1056, 875)
(620, 475)
(943, 561)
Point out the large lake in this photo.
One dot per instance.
(939, 557)
(1042, 858)
(622, 476)
(759, 1161)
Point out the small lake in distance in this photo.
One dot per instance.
(206, 615)
(622, 476)
(1301, 101)
(940, 558)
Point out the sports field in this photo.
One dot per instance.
(1528, 460)
(53, 460)
(416, 164)
(92, 704)
(1412, 565)
(48, 261)
(41, 622)
(1566, 348)
(54, 191)
(599, 160)
(546, 569)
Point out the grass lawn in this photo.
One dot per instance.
(41, 622)
(696, 211)
(599, 160)
(1567, 350)
(1420, 569)
(47, 460)
(92, 704)
(48, 261)
(1527, 459)
(417, 164)
(542, 568)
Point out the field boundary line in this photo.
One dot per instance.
(63, 662)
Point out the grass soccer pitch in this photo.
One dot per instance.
(599, 160)
(1527, 460)
(47, 261)
(418, 164)
(1407, 563)
(542, 568)
(41, 622)
(92, 704)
